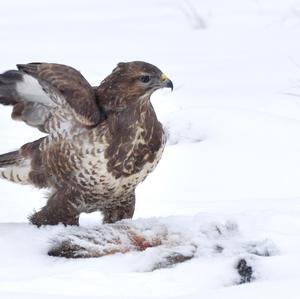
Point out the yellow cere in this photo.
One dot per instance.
(163, 77)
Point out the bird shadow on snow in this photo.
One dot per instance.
(164, 242)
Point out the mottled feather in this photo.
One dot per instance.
(101, 141)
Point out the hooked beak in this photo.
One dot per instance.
(166, 82)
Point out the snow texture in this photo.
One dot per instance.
(226, 194)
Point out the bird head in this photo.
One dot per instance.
(143, 76)
(132, 82)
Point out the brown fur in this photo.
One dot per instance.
(123, 237)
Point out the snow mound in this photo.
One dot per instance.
(162, 243)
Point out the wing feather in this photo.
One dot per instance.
(39, 91)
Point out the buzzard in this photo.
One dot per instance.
(100, 142)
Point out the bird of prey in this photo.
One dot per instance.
(100, 142)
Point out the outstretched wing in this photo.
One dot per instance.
(41, 92)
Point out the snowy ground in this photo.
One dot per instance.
(233, 154)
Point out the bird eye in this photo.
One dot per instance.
(144, 79)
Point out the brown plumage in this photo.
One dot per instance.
(101, 141)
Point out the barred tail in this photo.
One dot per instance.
(9, 159)
(14, 168)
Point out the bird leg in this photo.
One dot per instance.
(123, 210)
(58, 209)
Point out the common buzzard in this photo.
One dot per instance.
(100, 142)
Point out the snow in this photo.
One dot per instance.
(233, 154)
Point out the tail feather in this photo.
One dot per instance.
(9, 159)
(23, 166)
(14, 168)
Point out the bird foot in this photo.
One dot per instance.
(44, 217)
